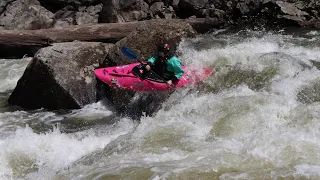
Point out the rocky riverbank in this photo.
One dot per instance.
(38, 14)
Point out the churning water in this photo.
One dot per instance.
(257, 118)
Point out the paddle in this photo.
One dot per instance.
(127, 52)
(130, 54)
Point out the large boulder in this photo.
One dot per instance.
(24, 14)
(60, 76)
(143, 42)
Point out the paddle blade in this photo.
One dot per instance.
(127, 52)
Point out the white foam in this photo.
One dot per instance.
(11, 71)
(10, 120)
(308, 170)
(313, 33)
(93, 111)
(51, 151)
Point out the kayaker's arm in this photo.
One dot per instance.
(177, 68)
(151, 60)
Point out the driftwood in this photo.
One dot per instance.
(106, 32)
(17, 43)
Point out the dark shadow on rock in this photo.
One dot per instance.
(145, 104)
(133, 104)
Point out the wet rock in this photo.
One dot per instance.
(310, 93)
(60, 76)
(143, 42)
(24, 14)
(315, 64)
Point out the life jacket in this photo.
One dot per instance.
(160, 67)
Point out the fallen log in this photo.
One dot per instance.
(28, 41)
(106, 32)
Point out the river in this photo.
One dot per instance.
(257, 118)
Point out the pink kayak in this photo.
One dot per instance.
(125, 77)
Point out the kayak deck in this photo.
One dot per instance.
(127, 77)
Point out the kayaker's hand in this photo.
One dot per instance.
(141, 71)
(148, 67)
(169, 83)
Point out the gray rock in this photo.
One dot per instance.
(88, 15)
(160, 11)
(55, 5)
(60, 76)
(243, 7)
(71, 16)
(156, 7)
(282, 13)
(220, 14)
(29, 12)
(291, 20)
(175, 3)
(290, 9)
(195, 4)
(123, 11)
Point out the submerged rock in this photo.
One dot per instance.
(310, 93)
(60, 76)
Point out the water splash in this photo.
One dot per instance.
(11, 71)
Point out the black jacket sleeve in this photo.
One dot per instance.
(174, 79)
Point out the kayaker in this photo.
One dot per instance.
(165, 64)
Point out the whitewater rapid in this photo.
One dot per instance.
(249, 121)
